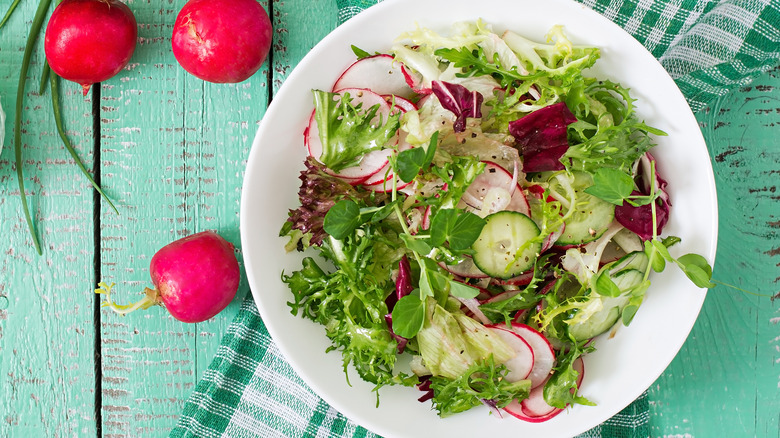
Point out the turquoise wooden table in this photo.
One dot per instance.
(170, 150)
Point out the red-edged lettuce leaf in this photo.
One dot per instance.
(459, 100)
(317, 194)
(541, 137)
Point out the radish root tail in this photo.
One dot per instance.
(123, 309)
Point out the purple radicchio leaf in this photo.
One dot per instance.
(425, 386)
(541, 137)
(640, 219)
(458, 99)
(403, 287)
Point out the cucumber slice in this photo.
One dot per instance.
(636, 260)
(605, 310)
(505, 248)
(591, 217)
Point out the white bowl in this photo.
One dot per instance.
(623, 366)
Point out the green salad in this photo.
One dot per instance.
(477, 201)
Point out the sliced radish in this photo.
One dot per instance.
(522, 363)
(521, 280)
(535, 406)
(401, 103)
(372, 162)
(414, 80)
(382, 181)
(386, 186)
(367, 98)
(426, 219)
(380, 73)
(544, 356)
(535, 409)
(466, 269)
(379, 177)
(493, 190)
(551, 238)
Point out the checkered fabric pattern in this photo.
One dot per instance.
(708, 46)
(249, 391)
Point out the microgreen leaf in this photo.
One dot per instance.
(640, 289)
(408, 316)
(459, 228)
(439, 281)
(670, 241)
(611, 185)
(441, 224)
(606, 287)
(466, 231)
(426, 288)
(697, 269)
(411, 161)
(417, 245)
(360, 53)
(342, 219)
(461, 290)
(661, 249)
(657, 262)
(382, 213)
(628, 313)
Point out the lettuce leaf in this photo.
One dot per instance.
(350, 303)
(317, 194)
(349, 131)
(450, 342)
(482, 382)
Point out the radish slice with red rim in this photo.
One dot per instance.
(382, 181)
(521, 280)
(544, 356)
(535, 409)
(494, 189)
(522, 363)
(380, 73)
(415, 81)
(466, 269)
(535, 406)
(369, 165)
(372, 162)
(399, 102)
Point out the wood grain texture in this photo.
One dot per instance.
(726, 379)
(173, 150)
(46, 331)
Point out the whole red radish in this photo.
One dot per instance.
(222, 41)
(89, 41)
(195, 278)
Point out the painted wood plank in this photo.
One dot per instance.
(299, 26)
(174, 149)
(726, 379)
(46, 302)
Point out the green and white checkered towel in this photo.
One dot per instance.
(708, 46)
